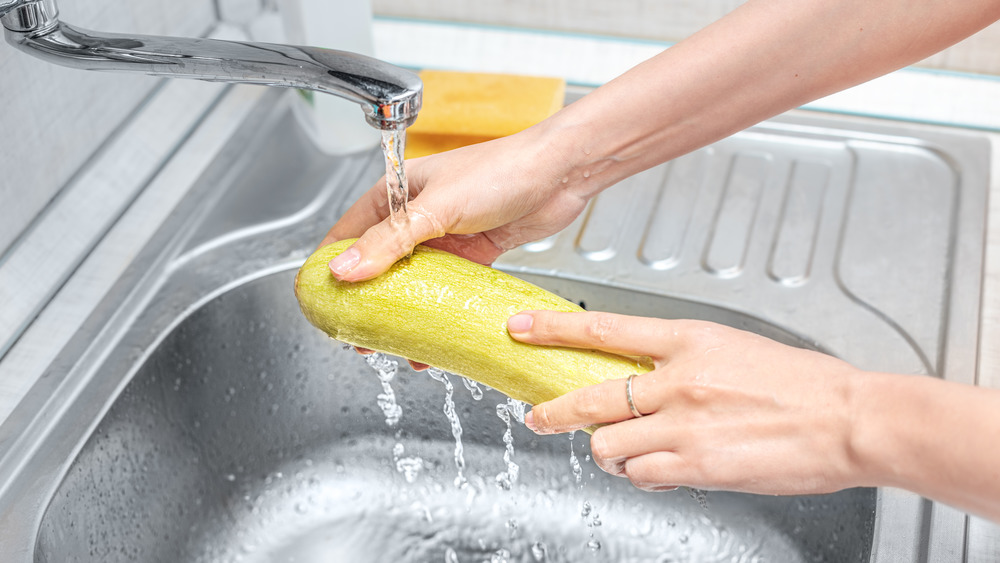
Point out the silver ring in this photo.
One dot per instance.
(628, 397)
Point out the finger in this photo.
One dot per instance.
(369, 210)
(618, 334)
(476, 247)
(602, 403)
(615, 444)
(385, 243)
(658, 471)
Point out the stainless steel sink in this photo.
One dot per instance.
(247, 435)
(198, 417)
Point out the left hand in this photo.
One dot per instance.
(723, 408)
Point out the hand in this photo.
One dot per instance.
(477, 202)
(724, 408)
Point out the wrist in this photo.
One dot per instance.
(887, 428)
(590, 146)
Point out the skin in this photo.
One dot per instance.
(729, 409)
(726, 409)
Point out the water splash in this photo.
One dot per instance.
(505, 411)
(386, 369)
(593, 519)
(594, 545)
(456, 424)
(410, 467)
(539, 551)
(700, 496)
(512, 527)
(574, 463)
(473, 387)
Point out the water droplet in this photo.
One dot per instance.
(385, 369)
(511, 528)
(539, 551)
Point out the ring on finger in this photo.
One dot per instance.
(628, 397)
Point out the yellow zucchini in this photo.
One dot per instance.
(439, 309)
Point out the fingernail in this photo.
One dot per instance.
(345, 262)
(660, 488)
(519, 323)
(529, 420)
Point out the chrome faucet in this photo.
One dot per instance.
(390, 96)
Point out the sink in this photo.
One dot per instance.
(196, 416)
(248, 435)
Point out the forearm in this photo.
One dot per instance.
(765, 57)
(936, 438)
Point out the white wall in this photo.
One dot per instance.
(664, 20)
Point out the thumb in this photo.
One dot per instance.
(383, 244)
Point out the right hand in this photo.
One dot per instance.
(476, 201)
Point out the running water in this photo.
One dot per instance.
(410, 467)
(386, 371)
(593, 520)
(473, 387)
(456, 424)
(700, 496)
(397, 188)
(574, 462)
(505, 411)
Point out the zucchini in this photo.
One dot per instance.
(442, 310)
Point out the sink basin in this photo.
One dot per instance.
(248, 435)
(196, 416)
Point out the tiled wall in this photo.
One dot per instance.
(52, 119)
(666, 20)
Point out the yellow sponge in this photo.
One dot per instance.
(463, 108)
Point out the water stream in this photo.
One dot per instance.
(456, 424)
(397, 188)
(385, 369)
(505, 411)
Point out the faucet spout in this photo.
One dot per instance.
(390, 96)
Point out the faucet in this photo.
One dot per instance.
(389, 96)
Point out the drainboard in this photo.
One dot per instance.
(198, 417)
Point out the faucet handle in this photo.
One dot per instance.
(29, 16)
